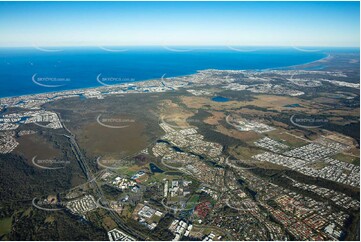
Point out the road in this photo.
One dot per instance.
(93, 183)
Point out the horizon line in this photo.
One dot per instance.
(157, 45)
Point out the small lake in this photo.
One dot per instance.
(220, 99)
(155, 169)
(295, 105)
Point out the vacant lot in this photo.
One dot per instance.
(35, 145)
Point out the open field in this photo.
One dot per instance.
(120, 129)
(271, 102)
(244, 153)
(5, 225)
(99, 141)
(174, 115)
(287, 138)
(246, 136)
(347, 158)
(36, 145)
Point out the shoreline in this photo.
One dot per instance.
(307, 63)
(146, 80)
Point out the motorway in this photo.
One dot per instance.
(93, 183)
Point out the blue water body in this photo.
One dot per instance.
(72, 68)
(220, 99)
(295, 105)
(155, 169)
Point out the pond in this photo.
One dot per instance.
(295, 105)
(155, 169)
(220, 99)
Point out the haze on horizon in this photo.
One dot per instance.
(320, 24)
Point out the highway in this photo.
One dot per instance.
(93, 183)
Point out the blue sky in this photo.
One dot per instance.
(180, 23)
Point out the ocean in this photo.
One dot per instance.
(38, 70)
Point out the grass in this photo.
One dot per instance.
(129, 171)
(319, 165)
(245, 153)
(347, 158)
(283, 137)
(49, 219)
(192, 200)
(5, 225)
(356, 162)
(158, 177)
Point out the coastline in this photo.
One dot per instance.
(81, 90)
(298, 65)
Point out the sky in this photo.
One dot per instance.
(180, 23)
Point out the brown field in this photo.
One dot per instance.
(232, 132)
(287, 138)
(278, 102)
(247, 136)
(201, 102)
(338, 121)
(112, 142)
(271, 102)
(131, 123)
(269, 165)
(279, 124)
(173, 114)
(109, 223)
(255, 112)
(215, 118)
(325, 100)
(355, 112)
(244, 153)
(35, 145)
(355, 152)
(318, 165)
(340, 138)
